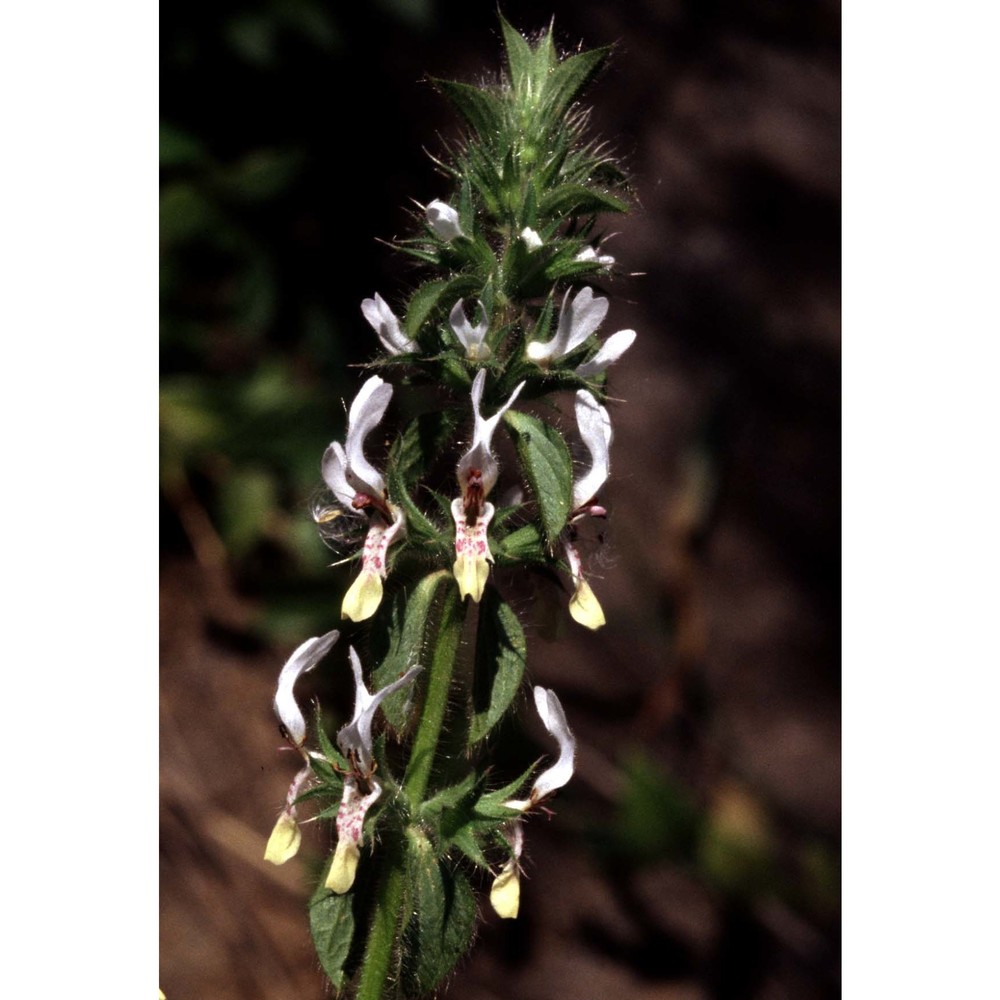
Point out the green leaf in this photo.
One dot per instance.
(442, 293)
(519, 57)
(451, 796)
(491, 805)
(443, 925)
(479, 108)
(465, 840)
(523, 545)
(575, 199)
(549, 468)
(568, 80)
(500, 662)
(411, 616)
(421, 444)
(422, 304)
(331, 920)
(418, 526)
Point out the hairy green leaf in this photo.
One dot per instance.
(547, 464)
(519, 59)
(331, 919)
(523, 545)
(567, 81)
(575, 199)
(500, 662)
(478, 107)
(411, 617)
(443, 924)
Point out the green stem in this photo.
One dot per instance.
(385, 924)
(382, 935)
(425, 743)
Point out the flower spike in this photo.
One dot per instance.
(384, 322)
(443, 220)
(472, 337)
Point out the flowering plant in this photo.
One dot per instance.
(511, 254)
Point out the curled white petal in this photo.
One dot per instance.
(479, 456)
(596, 433)
(578, 319)
(611, 350)
(471, 337)
(356, 736)
(303, 659)
(334, 468)
(554, 719)
(367, 410)
(443, 220)
(531, 239)
(385, 323)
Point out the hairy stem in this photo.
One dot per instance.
(425, 743)
(382, 935)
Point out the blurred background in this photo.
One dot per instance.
(696, 854)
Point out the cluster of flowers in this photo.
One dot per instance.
(359, 490)
(361, 788)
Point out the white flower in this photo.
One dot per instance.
(351, 478)
(578, 319)
(531, 239)
(443, 220)
(286, 837)
(589, 253)
(471, 337)
(361, 790)
(304, 659)
(608, 353)
(357, 486)
(505, 895)
(477, 474)
(384, 322)
(477, 469)
(596, 434)
(550, 711)
(355, 739)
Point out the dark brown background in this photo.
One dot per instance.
(696, 852)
